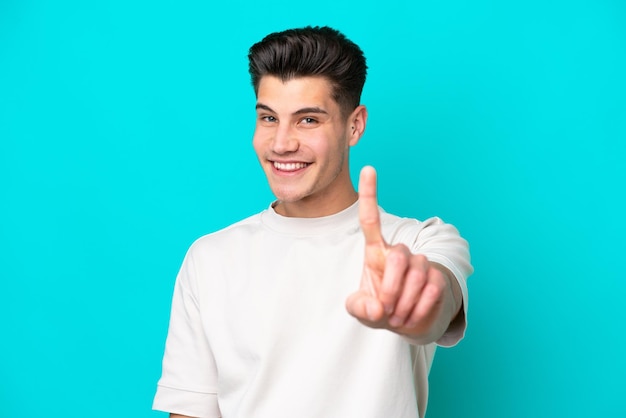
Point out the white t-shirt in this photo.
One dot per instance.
(259, 328)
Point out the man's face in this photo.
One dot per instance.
(302, 142)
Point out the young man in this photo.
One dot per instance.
(322, 305)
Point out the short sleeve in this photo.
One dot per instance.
(188, 384)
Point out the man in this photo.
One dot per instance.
(322, 305)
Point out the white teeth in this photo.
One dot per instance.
(289, 166)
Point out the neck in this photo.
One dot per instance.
(316, 209)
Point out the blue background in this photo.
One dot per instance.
(125, 133)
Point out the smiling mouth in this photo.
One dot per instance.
(289, 166)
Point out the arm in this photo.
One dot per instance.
(188, 384)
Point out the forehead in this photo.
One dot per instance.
(293, 94)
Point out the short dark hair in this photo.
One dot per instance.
(312, 51)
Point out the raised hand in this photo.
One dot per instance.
(399, 291)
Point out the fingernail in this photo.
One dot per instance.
(388, 309)
(368, 310)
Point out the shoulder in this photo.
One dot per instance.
(226, 237)
(405, 230)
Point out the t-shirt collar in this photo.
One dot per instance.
(345, 219)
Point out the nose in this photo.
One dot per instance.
(285, 140)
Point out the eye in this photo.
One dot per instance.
(308, 121)
(267, 120)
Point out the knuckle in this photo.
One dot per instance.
(415, 277)
(397, 255)
(434, 290)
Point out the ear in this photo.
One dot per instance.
(356, 124)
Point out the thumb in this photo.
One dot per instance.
(364, 306)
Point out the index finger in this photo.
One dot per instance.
(369, 216)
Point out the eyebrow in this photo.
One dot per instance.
(297, 112)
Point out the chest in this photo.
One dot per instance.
(278, 292)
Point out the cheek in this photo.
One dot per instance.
(258, 143)
(337, 147)
(322, 142)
